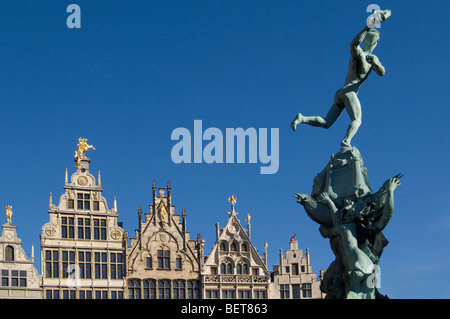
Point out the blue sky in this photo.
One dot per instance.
(136, 70)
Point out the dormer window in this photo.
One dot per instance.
(83, 201)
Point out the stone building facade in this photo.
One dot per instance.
(85, 253)
(163, 262)
(83, 245)
(293, 278)
(234, 269)
(20, 279)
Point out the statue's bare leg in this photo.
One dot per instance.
(332, 115)
(353, 108)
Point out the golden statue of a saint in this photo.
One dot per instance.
(162, 212)
(8, 213)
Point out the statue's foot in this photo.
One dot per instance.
(297, 120)
(345, 144)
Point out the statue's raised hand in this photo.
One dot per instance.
(391, 184)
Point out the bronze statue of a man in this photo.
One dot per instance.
(362, 62)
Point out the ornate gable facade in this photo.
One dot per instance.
(162, 261)
(83, 244)
(19, 277)
(234, 269)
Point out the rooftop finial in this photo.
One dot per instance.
(232, 200)
(66, 180)
(99, 179)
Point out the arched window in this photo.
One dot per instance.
(243, 247)
(193, 289)
(245, 269)
(149, 289)
(229, 269)
(223, 247)
(226, 267)
(242, 268)
(164, 289)
(233, 247)
(9, 253)
(134, 289)
(179, 289)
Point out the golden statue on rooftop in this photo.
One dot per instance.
(162, 212)
(8, 213)
(83, 147)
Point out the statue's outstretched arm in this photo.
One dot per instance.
(390, 185)
(318, 212)
(355, 50)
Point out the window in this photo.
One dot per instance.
(116, 265)
(5, 278)
(14, 278)
(101, 294)
(84, 201)
(226, 268)
(68, 258)
(100, 229)
(164, 289)
(287, 269)
(85, 294)
(149, 289)
(179, 289)
(69, 294)
(178, 263)
(134, 289)
(255, 271)
(302, 268)
(101, 265)
(51, 264)
(149, 262)
(67, 227)
(295, 269)
(84, 263)
(233, 247)
(212, 294)
(227, 294)
(284, 291)
(223, 247)
(306, 291)
(192, 289)
(152, 289)
(70, 204)
(244, 294)
(84, 228)
(9, 253)
(242, 268)
(243, 247)
(259, 294)
(163, 259)
(295, 291)
(51, 294)
(96, 205)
